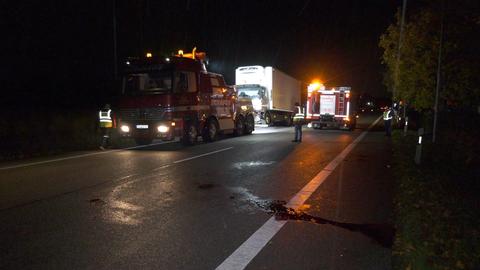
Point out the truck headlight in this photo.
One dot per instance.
(125, 128)
(162, 129)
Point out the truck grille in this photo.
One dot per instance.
(141, 114)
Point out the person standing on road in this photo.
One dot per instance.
(387, 120)
(106, 125)
(298, 121)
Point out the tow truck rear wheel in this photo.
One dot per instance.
(249, 124)
(190, 134)
(210, 132)
(239, 126)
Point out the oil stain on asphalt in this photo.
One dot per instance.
(383, 234)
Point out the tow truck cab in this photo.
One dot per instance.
(176, 97)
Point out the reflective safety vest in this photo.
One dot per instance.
(299, 118)
(105, 118)
(386, 115)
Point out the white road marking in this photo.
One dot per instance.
(244, 254)
(79, 156)
(202, 155)
(162, 167)
(250, 248)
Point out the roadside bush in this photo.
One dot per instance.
(436, 203)
(30, 134)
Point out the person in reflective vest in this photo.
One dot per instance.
(298, 121)
(387, 120)
(106, 123)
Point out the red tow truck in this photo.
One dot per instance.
(164, 98)
(329, 107)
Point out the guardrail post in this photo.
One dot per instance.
(418, 150)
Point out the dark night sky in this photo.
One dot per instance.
(62, 51)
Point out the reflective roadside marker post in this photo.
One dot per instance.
(418, 150)
(405, 127)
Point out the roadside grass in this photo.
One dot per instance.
(50, 133)
(436, 206)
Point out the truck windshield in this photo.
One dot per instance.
(148, 83)
(249, 93)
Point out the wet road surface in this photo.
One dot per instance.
(167, 206)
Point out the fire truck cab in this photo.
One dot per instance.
(173, 97)
(329, 107)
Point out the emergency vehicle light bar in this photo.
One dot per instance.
(334, 91)
(315, 86)
(193, 55)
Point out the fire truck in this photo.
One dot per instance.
(329, 107)
(168, 98)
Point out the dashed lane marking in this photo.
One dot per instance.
(79, 156)
(202, 155)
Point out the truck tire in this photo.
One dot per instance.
(239, 126)
(268, 119)
(143, 141)
(190, 134)
(210, 132)
(249, 124)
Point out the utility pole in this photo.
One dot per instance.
(115, 68)
(439, 65)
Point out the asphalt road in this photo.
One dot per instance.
(167, 206)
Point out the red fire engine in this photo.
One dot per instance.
(329, 107)
(176, 97)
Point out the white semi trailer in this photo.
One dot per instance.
(273, 93)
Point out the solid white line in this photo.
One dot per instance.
(80, 156)
(250, 248)
(244, 254)
(202, 155)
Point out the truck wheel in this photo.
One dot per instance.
(143, 141)
(210, 132)
(239, 126)
(249, 124)
(268, 119)
(190, 134)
